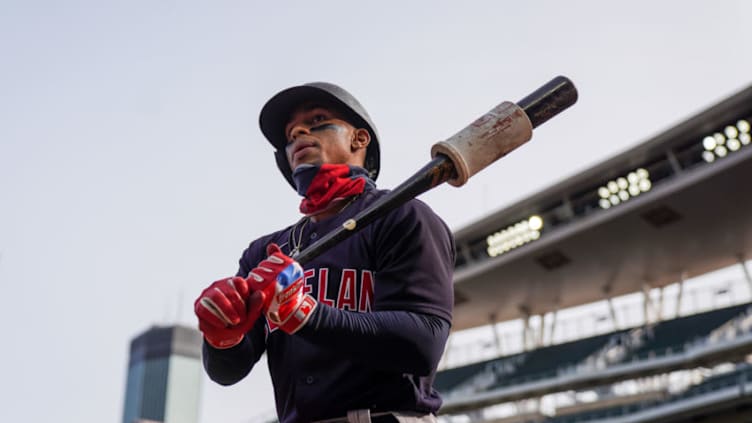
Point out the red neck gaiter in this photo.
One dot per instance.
(323, 186)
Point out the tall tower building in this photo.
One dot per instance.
(164, 376)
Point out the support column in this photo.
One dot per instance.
(445, 357)
(606, 291)
(612, 311)
(747, 275)
(497, 338)
(526, 338)
(659, 306)
(525, 312)
(675, 165)
(680, 294)
(646, 303)
(541, 328)
(552, 328)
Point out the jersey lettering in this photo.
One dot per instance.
(323, 282)
(347, 290)
(307, 288)
(366, 291)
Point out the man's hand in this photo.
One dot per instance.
(226, 310)
(288, 307)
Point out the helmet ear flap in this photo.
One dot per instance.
(281, 158)
(373, 159)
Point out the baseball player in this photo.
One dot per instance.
(356, 335)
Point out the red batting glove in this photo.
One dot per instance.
(288, 307)
(226, 310)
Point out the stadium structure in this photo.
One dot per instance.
(164, 376)
(602, 298)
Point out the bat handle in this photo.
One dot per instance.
(549, 100)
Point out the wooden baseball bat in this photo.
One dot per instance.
(491, 137)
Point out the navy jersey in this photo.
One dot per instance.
(385, 306)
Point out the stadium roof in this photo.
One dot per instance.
(601, 239)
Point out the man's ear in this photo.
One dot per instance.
(361, 139)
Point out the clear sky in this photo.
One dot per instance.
(133, 172)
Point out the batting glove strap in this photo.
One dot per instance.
(222, 343)
(296, 317)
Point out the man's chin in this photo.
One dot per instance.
(306, 162)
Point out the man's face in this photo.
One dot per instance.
(317, 134)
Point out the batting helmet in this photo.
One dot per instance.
(276, 113)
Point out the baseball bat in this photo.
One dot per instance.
(491, 137)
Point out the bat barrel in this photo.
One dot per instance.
(503, 129)
(549, 100)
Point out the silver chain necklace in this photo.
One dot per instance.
(296, 244)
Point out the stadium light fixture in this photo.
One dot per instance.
(733, 144)
(744, 138)
(514, 236)
(624, 188)
(719, 145)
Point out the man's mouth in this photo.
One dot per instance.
(302, 149)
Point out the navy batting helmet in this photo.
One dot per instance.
(276, 113)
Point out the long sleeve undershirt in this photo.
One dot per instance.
(399, 341)
(394, 340)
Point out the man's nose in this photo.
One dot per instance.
(297, 130)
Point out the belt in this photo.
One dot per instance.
(362, 416)
(365, 416)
